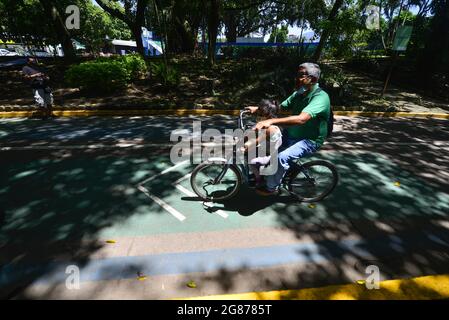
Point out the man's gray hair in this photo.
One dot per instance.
(312, 69)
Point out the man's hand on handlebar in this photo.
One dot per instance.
(252, 109)
(265, 124)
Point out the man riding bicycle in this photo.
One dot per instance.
(306, 129)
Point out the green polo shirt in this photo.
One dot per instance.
(317, 104)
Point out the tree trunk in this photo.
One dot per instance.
(61, 31)
(231, 27)
(435, 58)
(139, 22)
(212, 29)
(137, 34)
(184, 28)
(134, 23)
(185, 36)
(326, 32)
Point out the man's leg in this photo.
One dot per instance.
(298, 150)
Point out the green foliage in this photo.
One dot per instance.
(166, 74)
(369, 65)
(107, 74)
(247, 70)
(28, 19)
(279, 35)
(347, 31)
(274, 55)
(337, 85)
(333, 77)
(135, 65)
(251, 52)
(96, 25)
(104, 76)
(25, 19)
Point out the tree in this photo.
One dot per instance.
(213, 22)
(348, 31)
(22, 22)
(435, 57)
(57, 22)
(38, 23)
(421, 26)
(186, 17)
(327, 29)
(279, 35)
(96, 25)
(132, 13)
(244, 17)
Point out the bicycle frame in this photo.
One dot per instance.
(296, 166)
(289, 182)
(232, 157)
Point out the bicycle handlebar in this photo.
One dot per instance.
(242, 112)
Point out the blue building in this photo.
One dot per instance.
(152, 46)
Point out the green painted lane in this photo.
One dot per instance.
(77, 195)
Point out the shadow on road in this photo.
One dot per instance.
(55, 203)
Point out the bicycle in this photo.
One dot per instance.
(220, 179)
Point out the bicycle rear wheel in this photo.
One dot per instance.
(205, 184)
(313, 181)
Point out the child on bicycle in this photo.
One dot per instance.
(272, 136)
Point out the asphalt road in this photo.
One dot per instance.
(101, 194)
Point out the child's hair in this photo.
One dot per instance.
(268, 108)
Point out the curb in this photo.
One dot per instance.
(83, 113)
(206, 112)
(421, 288)
(392, 114)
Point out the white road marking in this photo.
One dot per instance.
(163, 172)
(189, 193)
(82, 147)
(164, 205)
(186, 191)
(165, 145)
(177, 185)
(187, 176)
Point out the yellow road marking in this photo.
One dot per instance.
(421, 288)
(205, 112)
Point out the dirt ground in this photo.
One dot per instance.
(191, 93)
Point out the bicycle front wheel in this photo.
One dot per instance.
(215, 181)
(314, 181)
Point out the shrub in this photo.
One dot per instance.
(103, 76)
(134, 64)
(336, 84)
(168, 75)
(252, 52)
(107, 74)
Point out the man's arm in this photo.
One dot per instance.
(252, 109)
(286, 104)
(34, 75)
(29, 75)
(301, 119)
(315, 107)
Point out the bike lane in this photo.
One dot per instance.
(74, 197)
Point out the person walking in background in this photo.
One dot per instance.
(39, 82)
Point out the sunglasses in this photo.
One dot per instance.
(302, 75)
